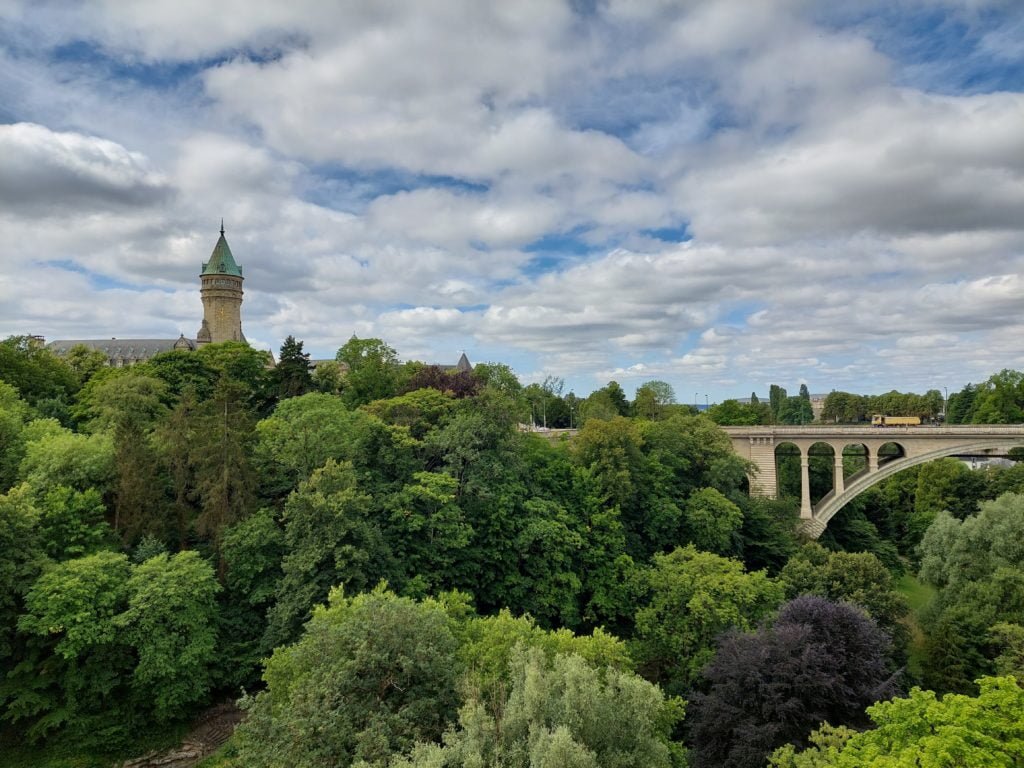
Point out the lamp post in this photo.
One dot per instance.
(695, 402)
(945, 403)
(705, 403)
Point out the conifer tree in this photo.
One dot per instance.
(291, 375)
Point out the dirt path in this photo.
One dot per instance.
(208, 733)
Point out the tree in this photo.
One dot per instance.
(75, 677)
(924, 730)
(645, 405)
(60, 457)
(236, 361)
(960, 406)
(251, 551)
(844, 408)
(732, 413)
(562, 712)
(170, 622)
(291, 375)
(112, 646)
(371, 371)
(34, 371)
(1000, 400)
(371, 675)
(945, 484)
(428, 530)
(220, 454)
(618, 397)
(819, 661)
(71, 523)
(651, 399)
(1009, 638)
(776, 397)
(795, 410)
(14, 412)
(672, 644)
(978, 567)
(331, 539)
(713, 522)
(498, 376)
(458, 384)
(85, 361)
(611, 450)
(182, 371)
(420, 410)
(598, 405)
(130, 405)
(328, 377)
(300, 436)
(489, 644)
(22, 558)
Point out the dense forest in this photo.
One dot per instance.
(388, 571)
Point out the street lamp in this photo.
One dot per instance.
(705, 403)
(945, 402)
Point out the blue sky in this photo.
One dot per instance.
(716, 193)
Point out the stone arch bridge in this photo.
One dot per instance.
(907, 447)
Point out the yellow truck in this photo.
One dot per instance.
(895, 421)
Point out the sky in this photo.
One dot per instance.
(720, 194)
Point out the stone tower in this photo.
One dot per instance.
(222, 296)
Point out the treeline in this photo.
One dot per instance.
(600, 601)
(998, 400)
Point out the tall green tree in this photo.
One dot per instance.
(170, 623)
(673, 644)
(859, 578)
(291, 375)
(332, 538)
(776, 397)
(221, 457)
(34, 371)
(977, 566)
(130, 405)
(22, 559)
(371, 371)
(14, 413)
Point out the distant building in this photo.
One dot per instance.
(463, 365)
(221, 291)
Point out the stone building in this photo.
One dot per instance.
(221, 291)
(222, 296)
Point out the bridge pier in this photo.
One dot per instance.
(806, 513)
(838, 483)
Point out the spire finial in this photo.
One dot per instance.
(222, 226)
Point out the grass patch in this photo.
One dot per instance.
(917, 595)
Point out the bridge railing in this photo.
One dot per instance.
(849, 429)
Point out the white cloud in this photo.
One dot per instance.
(48, 173)
(385, 168)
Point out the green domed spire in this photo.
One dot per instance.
(221, 261)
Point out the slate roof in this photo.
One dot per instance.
(123, 349)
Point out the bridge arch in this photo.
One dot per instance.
(863, 456)
(830, 506)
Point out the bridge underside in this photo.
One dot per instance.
(906, 446)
